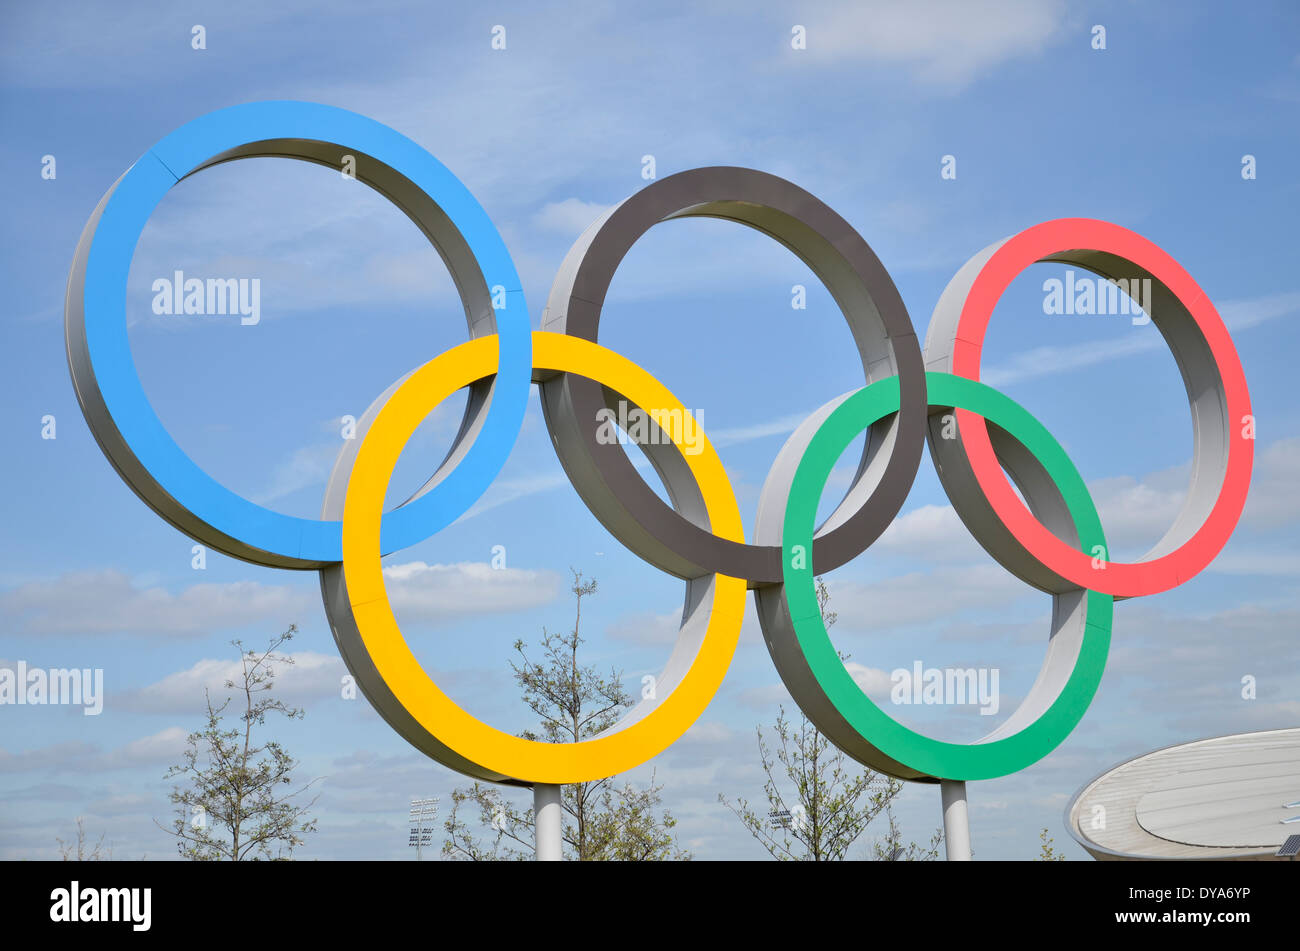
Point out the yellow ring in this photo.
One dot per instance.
(414, 689)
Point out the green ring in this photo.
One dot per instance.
(932, 757)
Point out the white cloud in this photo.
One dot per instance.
(165, 746)
(161, 747)
(510, 489)
(48, 757)
(651, 629)
(1135, 512)
(1257, 562)
(433, 593)
(1053, 360)
(765, 698)
(1186, 670)
(305, 467)
(780, 426)
(646, 627)
(311, 676)
(86, 45)
(309, 467)
(874, 682)
(932, 532)
(108, 601)
(924, 596)
(570, 217)
(1273, 500)
(1242, 314)
(1237, 315)
(313, 241)
(944, 42)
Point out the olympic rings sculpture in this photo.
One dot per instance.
(1052, 540)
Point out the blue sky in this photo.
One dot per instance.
(547, 133)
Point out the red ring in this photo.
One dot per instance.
(1119, 578)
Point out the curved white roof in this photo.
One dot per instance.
(1223, 797)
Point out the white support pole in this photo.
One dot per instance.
(956, 821)
(546, 814)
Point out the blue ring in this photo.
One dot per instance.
(125, 213)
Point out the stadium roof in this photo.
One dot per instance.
(1227, 797)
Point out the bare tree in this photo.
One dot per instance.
(1048, 853)
(235, 805)
(574, 702)
(80, 851)
(818, 805)
(892, 848)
